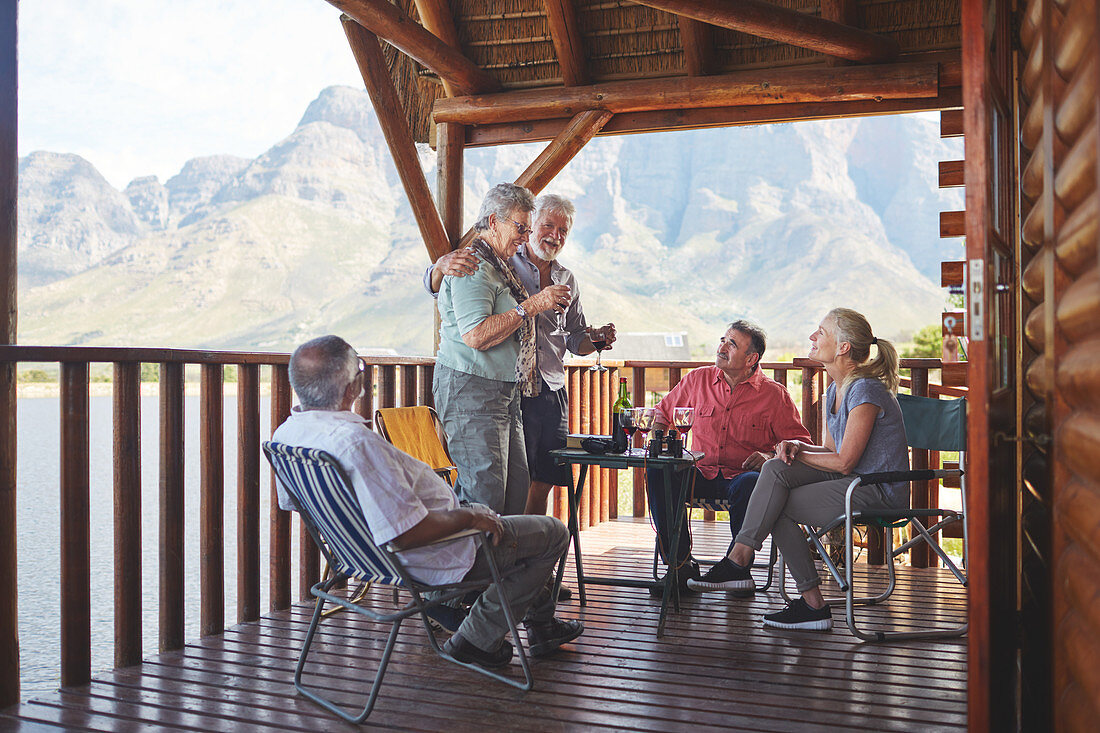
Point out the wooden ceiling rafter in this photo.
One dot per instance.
(757, 87)
(389, 23)
(561, 17)
(367, 50)
(435, 15)
(844, 12)
(697, 40)
(557, 154)
(765, 20)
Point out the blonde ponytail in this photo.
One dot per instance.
(853, 327)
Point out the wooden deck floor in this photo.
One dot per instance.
(716, 667)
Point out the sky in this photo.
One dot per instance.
(138, 87)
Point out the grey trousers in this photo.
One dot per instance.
(485, 438)
(531, 541)
(786, 496)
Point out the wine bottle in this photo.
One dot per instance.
(618, 436)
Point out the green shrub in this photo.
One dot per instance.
(36, 375)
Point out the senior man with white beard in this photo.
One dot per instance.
(544, 416)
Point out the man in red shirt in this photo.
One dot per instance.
(740, 415)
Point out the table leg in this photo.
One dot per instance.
(674, 513)
(574, 533)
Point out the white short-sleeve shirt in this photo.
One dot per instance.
(395, 490)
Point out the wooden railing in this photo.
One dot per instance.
(396, 381)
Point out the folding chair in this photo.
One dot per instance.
(930, 424)
(717, 505)
(417, 431)
(323, 496)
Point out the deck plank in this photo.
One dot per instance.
(716, 667)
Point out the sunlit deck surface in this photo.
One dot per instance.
(715, 668)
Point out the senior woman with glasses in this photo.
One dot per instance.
(487, 356)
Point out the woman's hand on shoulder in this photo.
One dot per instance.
(459, 263)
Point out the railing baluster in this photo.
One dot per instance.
(76, 623)
(365, 405)
(425, 375)
(279, 567)
(248, 492)
(387, 385)
(211, 503)
(638, 390)
(920, 556)
(127, 474)
(9, 550)
(408, 385)
(171, 506)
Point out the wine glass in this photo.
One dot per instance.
(626, 422)
(643, 418)
(683, 418)
(599, 340)
(558, 278)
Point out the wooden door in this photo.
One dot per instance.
(1059, 137)
(991, 226)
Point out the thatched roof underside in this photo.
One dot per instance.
(511, 40)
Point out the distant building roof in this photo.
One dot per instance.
(668, 346)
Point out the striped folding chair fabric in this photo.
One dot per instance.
(323, 497)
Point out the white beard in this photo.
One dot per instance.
(542, 252)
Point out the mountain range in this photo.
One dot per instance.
(675, 232)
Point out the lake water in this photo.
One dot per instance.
(38, 528)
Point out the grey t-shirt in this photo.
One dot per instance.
(886, 448)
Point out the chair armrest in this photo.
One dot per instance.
(449, 538)
(891, 477)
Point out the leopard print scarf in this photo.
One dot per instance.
(527, 372)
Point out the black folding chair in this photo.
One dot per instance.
(330, 510)
(930, 424)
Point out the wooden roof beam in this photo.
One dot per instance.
(568, 44)
(435, 15)
(697, 40)
(557, 154)
(765, 20)
(391, 117)
(387, 22)
(756, 87)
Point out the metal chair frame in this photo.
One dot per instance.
(890, 519)
(299, 468)
(719, 505)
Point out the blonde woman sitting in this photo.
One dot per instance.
(806, 484)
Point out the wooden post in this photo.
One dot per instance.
(75, 576)
(364, 406)
(450, 149)
(561, 18)
(435, 16)
(562, 149)
(171, 506)
(9, 186)
(408, 385)
(127, 474)
(921, 555)
(211, 502)
(638, 377)
(395, 128)
(279, 569)
(697, 40)
(248, 492)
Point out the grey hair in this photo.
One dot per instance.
(503, 199)
(552, 202)
(320, 371)
(756, 335)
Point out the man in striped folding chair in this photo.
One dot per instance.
(406, 504)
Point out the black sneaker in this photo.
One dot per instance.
(462, 650)
(686, 575)
(445, 618)
(726, 575)
(799, 615)
(545, 638)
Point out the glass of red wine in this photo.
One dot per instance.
(599, 340)
(626, 422)
(684, 418)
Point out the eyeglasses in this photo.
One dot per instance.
(522, 229)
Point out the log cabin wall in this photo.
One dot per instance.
(1060, 208)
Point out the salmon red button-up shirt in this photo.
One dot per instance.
(730, 425)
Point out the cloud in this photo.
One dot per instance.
(139, 87)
